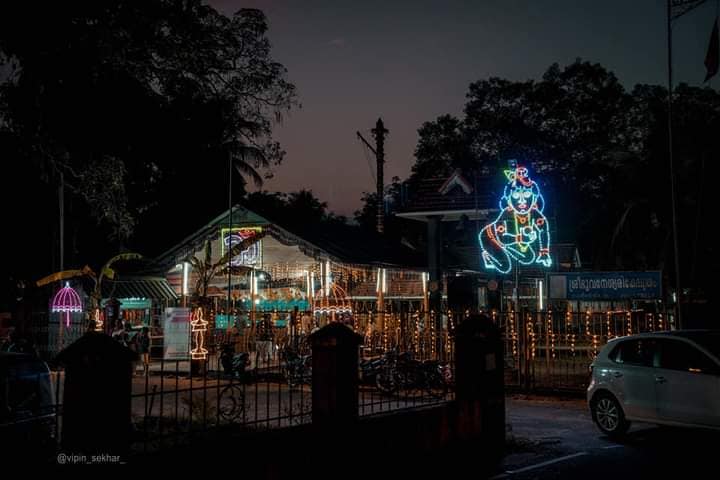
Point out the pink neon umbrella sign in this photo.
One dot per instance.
(66, 301)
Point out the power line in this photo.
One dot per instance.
(366, 152)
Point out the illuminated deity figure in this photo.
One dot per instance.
(521, 231)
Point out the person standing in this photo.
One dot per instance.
(264, 341)
(143, 349)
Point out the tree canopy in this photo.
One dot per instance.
(602, 150)
(140, 105)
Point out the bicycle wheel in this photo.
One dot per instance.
(232, 402)
(386, 381)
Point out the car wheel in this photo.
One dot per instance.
(608, 415)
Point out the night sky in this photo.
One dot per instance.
(410, 61)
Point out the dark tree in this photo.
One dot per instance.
(138, 102)
(602, 152)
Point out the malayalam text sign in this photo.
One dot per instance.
(606, 286)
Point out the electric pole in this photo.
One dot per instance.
(379, 132)
(675, 10)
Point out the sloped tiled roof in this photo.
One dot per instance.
(138, 287)
(344, 243)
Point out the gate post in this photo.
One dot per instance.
(97, 398)
(335, 376)
(480, 392)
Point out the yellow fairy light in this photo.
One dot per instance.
(595, 345)
(432, 334)
(513, 333)
(609, 333)
(416, 333)
(628, 315)
(531, 334)
(660, 321)
(385, 332)
(651, 322)
(587, 322)
(551, 334)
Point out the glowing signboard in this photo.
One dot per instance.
(521, 231)
(250, 257)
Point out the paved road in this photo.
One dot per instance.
(555, 439)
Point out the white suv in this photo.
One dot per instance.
(665, 378)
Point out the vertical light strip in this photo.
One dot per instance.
(185, 278)
(540, 294)
(307, 284)
(327, 278)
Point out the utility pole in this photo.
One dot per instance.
(61, 205)
(379, 132)
(675, 10)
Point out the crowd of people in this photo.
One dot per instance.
(136, 340)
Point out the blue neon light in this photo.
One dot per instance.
(521, 231)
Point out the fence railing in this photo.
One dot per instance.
(175, 401)
(253, 384)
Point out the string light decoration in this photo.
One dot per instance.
(369, 331)
(334, 304)
(521, 231)
(432, 334)
(531, 336)
(628, 315)
(587, 323)
(199, 327)
(385, 332)
(551, 333)
(609, 332)
(416, 333)
(397, 330)
(450, 329)
(513, 333)
(660, 321)
(494, 316)
(568, 325)
(651, 322)
(66, 301)
(595, 343)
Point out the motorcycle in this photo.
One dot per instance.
(234, 364)
(296, 367)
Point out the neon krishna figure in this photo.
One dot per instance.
(521, 231)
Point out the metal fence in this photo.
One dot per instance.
(174, 402)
